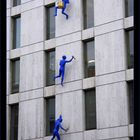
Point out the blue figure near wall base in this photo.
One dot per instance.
(62, 68)
(57, 127)
(62, 5)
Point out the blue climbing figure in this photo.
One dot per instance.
(56, 128)
(65, 2)
(62, 68)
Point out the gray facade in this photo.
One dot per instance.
(110, 81)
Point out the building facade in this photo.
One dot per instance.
(96, 101)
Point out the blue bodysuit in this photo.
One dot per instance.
(62, 68)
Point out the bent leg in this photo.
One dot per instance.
(63, 11)
(55, 11)
(62, 79)
(58, 136)
(58, 75)
(53, 137)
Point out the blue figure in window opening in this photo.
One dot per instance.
(56, 128)
(62, 4)
(62, 68)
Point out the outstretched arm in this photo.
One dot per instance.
(63, 128)
(70, 59)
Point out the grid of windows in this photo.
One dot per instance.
(50, 70)
(14, 122)
(130, 48)
(131, 100)
(89, 58)
(88, 13)
(16, 32)
(90, 109)
(129, 8)
(15, 75)
(50, 21)
(16, 2)
(50, 115)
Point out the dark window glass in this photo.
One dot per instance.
(131, 138)
(131, 101)
(50, 115)
(50, 22)
(88, 13)
(129, 8)
(89, 53)
(50, 67)
(16, 32)
(14, 122)
(90, 109)
(130, 48)
(16, 2)
(15, 75)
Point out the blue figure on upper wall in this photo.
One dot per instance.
(62, 4)
(62, 68)
(56, 128)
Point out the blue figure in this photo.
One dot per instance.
(62, 68)
(65, 2)
(56, 128)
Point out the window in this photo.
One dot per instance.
(90, 109)
(89, 54)
(50, 115)
(16, 32)
(14, 122)
(50, 67)
(15, 75)
(131, 100)
(129, 8)
(130, 48)
(50, 22)
(16, 2)
(88, 13)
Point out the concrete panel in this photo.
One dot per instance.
(89, 83)
(8, 12)
(25, 1)
(131, 130)
(32, 26)
(8, 3)
(88, 33)
(90, 135)
(50, 44)
(70, 105)
(72, 86)
(31, 94)
(126, 138)
(31, 72)
(7, 122)
(13, 98)
(110, 78)
(112, 105)
(47, 138)
(16, 10)
(32, 48)
(74, 23)
(31, 5)
(68, 38)
(73, 70)
(49, 91)
(15, 53)
(74, 136)
(116, 132)
(8, 83)
(107, 11)
(129, 22)
(110, 27)
(9, 33)
(31, 119)
(110, 52)
(129, 74)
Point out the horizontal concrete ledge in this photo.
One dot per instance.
(16, 10)
(129, 74)
(88, 33)
(88, 83)
(29, 95)
(48, 2)
(49, 91)
(129, 22)
(13, 98)
(50, 44)
(131, 130)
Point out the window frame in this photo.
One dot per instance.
(16, 3)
